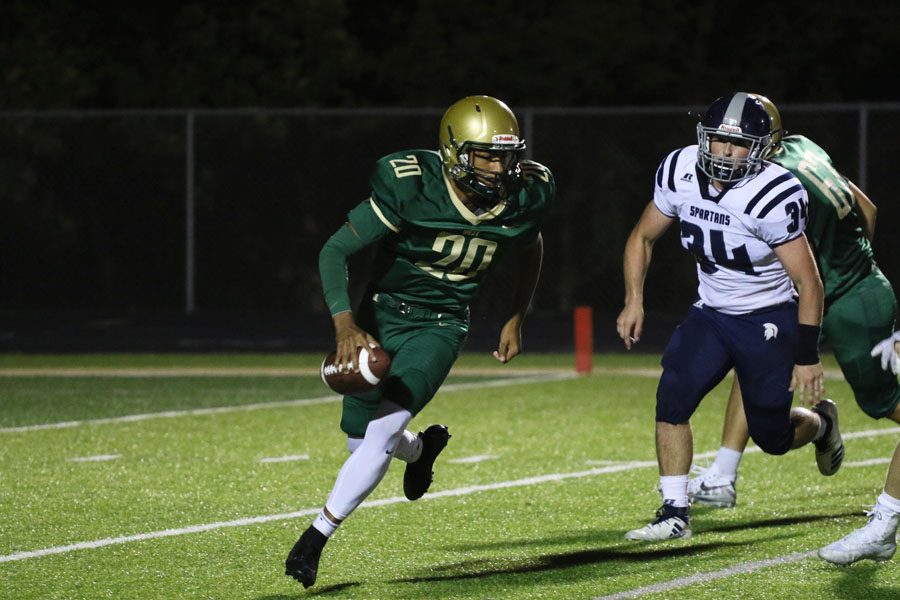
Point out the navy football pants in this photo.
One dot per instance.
(758, 345)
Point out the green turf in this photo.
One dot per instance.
(555, 539)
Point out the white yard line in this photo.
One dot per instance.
(468, 460)
(96, 458)
(868, 463)
(283, 459)
(681, 582)
(464, 491)
(171, 414)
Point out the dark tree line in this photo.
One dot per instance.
(93, 54)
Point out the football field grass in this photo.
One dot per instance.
(140, 476)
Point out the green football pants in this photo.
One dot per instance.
(853, 324)
(422, 344)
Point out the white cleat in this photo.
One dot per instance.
(876, 541)
(710, 488)
(671, 523)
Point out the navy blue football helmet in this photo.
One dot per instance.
(742, 120)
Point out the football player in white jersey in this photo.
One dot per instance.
(759, 306)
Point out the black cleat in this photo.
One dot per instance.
(830, 449)
(418, 475)
(303, 561)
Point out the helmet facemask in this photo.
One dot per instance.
(491, 185)
(729, 169)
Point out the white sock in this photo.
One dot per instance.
(885, 515)
(365, 468)
(727, 461)
(674, 488)
(887, 502)
(410, 447)
(326, 526)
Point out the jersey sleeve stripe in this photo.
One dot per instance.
(659, 174)
(381, 216)
(672, 162)
(768, 188)
(778, 199)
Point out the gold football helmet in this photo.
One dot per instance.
(481, 123)
(775, 117)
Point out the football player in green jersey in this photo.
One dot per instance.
(877, 539)
(440, 222)
(860, 306)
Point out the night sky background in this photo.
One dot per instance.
(92, 186)
(280, 53)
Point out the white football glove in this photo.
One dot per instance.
(889, 357)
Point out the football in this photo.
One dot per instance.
(370, 374)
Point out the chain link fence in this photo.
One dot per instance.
(194, 213)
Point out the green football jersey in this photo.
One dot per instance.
(432, 250)
(844, 255)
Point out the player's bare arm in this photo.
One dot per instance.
(867, 210)
(797, 258)
(638, 251)
(529, 269)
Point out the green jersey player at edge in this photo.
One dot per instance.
(440, 223)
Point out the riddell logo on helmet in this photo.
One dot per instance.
(505, 138)
(730, 128)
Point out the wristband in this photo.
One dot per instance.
(807, 351)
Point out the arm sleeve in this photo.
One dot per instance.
(362, 229)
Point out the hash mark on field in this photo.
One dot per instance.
(218, 410)
(868, 463)
(473, 459)
(281, 459)
(96, 458)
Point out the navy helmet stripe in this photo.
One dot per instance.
(777, 200)
(671, 167)
(768, 188)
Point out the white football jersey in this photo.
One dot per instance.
(732, 234)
